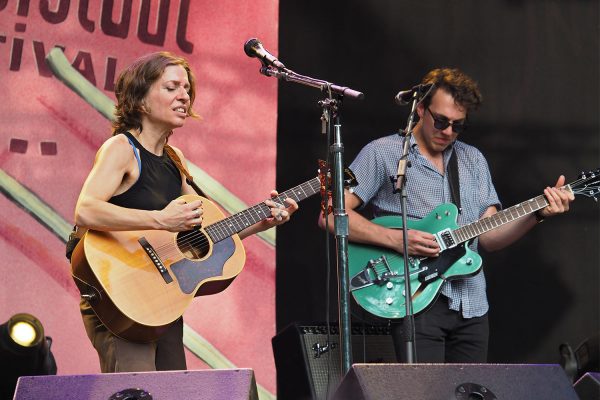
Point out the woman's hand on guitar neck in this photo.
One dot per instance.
(280, 214)
(179, 216)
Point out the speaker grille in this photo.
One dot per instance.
(455, 382)
(234, 384)
(319, 355)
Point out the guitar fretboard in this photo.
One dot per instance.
(484, 225)
(238, 222)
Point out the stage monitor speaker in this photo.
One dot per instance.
(189, 385)
(455, 382)
(308, 362)
(588, 386)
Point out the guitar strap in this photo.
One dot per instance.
(452, 171)
(188, 178)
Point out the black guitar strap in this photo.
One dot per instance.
(452, 171)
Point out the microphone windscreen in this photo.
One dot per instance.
(250, 47)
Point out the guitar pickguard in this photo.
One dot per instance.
(189, 273)
(437, 266)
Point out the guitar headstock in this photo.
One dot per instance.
(325, 179)
(325, 176)
(588, 184)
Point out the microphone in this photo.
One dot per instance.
(254, 48)
(406, 96)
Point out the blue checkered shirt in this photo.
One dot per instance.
(427, 188)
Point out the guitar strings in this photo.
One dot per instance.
(193, 240)
(199, 239)
(237, 218)
(297, 193)
(192, 237)
(241, 220)
(496, 219)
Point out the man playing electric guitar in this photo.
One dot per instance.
(454, 329)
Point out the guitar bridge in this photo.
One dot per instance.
(377, 271)
(155, 259)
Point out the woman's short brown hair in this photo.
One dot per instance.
(135, 81)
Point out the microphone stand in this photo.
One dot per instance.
(331, 107)
(290, 76)
(400, 187)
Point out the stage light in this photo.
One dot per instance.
(25, 330)
(24, 351)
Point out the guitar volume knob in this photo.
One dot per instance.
(389, 300)
(389, 285)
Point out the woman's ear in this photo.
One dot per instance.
(144, 108)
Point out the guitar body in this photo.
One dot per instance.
(139, 282)
(385, 297)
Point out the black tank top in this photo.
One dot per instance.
(159, 182)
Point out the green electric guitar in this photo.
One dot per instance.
(377, 274)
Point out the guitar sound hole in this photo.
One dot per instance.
(193, 244)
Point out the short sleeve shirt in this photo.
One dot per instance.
(427, 188)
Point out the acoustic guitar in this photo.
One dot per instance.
(139, 282)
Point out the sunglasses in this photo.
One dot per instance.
(442, 123)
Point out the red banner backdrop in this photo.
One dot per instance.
(50, 136)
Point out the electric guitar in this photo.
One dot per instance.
(139, 282)
(377, 274)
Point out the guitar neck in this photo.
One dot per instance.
(238, 222)
(472, 230)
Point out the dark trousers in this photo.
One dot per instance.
(444, 336)
(120, 355)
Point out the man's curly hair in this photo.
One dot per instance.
(463, 89)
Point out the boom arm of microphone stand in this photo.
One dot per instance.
(290, 76)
